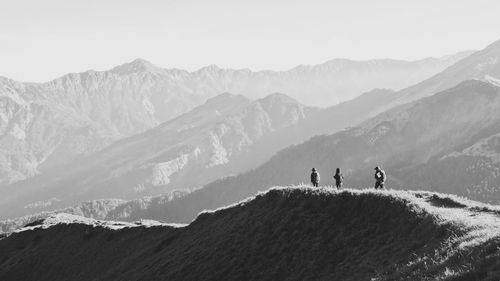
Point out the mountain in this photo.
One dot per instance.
(47, 125)
(468, 147)
(181, 154)
(339, 80)
(446, 142)
(216, 139)
(101, 209)
(482, 65)
(50, 124)
(284, 234)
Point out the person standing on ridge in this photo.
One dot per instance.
(339, 179)
(379, 178)
(315, 177)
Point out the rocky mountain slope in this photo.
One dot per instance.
(284, 234)
(437, 147)
(445, 143)
(211, 141)
(46, 125)
(49, 124)
(228, 135)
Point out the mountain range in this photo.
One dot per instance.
(446, 142)
(412, 127)
(48, 125)
(229, 134)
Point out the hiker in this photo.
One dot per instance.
(379, 178)
(339, 178)
(315, 177)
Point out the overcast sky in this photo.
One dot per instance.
(41, 40)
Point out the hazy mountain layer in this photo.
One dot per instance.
(285, 234)
(212, 141)
(51, 124)
(46, 125)
(437, 147)
(431, 144)
(102, 209)
(482, 65)
(228, 135)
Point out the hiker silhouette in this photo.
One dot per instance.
(314, 177)
(379, 178)
(339, 179)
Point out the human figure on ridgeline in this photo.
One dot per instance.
(339, 179)
(379, 178)
(314, 177)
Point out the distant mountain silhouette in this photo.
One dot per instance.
(284, 234)
(50, 124)
(482, 65)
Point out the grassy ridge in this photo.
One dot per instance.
(296, 233)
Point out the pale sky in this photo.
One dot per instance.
(42, 40)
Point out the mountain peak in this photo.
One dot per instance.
(209, 68)
(136, 66)
(278, 98)
(226, 99)
(494, 45)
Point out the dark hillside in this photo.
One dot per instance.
(284, 234)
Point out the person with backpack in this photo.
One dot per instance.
(339, 179)
(379, 178)
(315, 177)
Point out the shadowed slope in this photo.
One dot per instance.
(284, 234)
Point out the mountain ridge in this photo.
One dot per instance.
(395, 140)
(200, 146)
(53, 123)
(317, 233)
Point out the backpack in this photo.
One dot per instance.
(381, 178)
